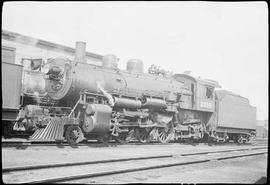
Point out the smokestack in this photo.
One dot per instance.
(80, 52)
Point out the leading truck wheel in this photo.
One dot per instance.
(73, 134)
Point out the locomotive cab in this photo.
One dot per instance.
(199, 94)
(196, 106)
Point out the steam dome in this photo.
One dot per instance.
(135, 65)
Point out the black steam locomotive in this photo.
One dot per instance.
(104, 102)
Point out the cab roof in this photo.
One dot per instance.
(208, 82)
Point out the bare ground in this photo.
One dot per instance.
(243, 170)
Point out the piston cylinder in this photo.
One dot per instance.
(98, 121)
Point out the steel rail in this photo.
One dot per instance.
(22, 168)
(75, 177)
(232, 150)
(107, 173)
(25, 144)
(18, 144)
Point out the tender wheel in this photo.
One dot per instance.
(164, 134)
(73, 134)
(239, 140)
(125, 137)
(143, 135)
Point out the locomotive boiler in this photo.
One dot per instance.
(67, 78)
(136, 101)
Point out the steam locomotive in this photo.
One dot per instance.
(104, 102)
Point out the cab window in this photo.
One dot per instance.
(209, 92)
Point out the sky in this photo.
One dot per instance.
(225, 42)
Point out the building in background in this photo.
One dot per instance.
(262, 129)
(17, 47)
(31, 52)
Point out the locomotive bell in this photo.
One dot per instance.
(55, 70)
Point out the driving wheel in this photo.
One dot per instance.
(143, 135)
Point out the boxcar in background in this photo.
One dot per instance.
(11, 90)
(11, 84)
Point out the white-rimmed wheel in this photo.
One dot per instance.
(73, 134)
(165, 134)
(240, 139)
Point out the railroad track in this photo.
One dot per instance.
(26, 143)
(70, 172)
